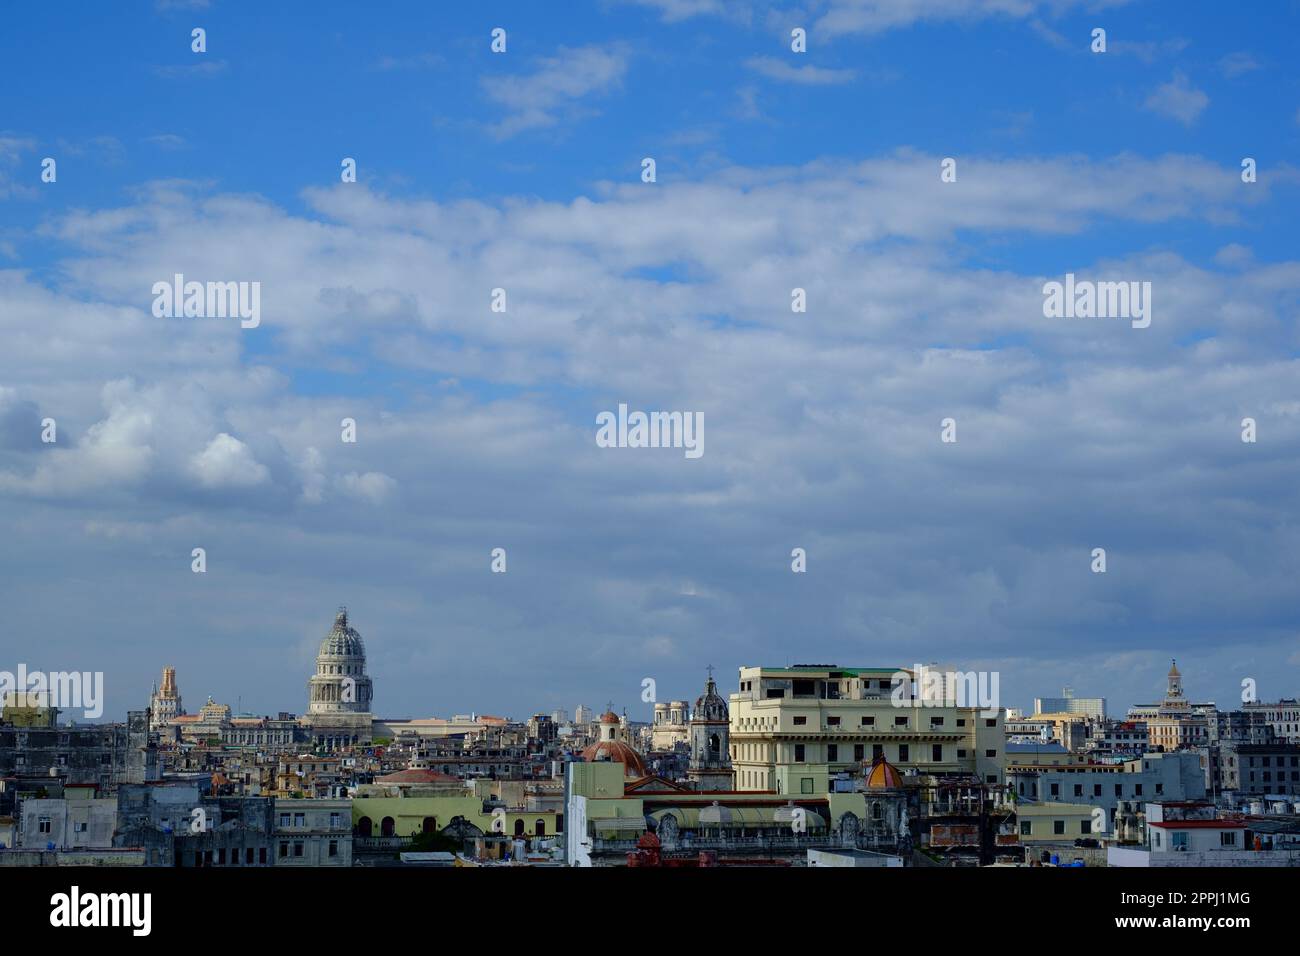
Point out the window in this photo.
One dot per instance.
(1119, 789)
(991, 723)
(936, 721)
(832, 721)
(284, 850)
(800, 721)
(900, 721)
(334, 847)
(284, 819)
(868, 721)
(334, 821)
(1179, 839)
(1096, 790)
(1085, 826)
(1137, 790)
(1058, 826)
(798, 753)
(805, 784)
(877, 751)
(1228, 838)
(903, 755)
(1078, 789)
(990, 753)
(832, 753)
(858, 752)
(78, 828)
(1056, 789)
(297, 848)
(300, 819)
(248, 856)
(936, 753)
(261, 855)
(1026, 828)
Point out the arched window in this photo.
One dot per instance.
(387, 827)
(539, 828)
(430, 824)
(715, 745)
(365, 827)
(519, 828)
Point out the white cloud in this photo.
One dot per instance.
(374, 486)
(227, 462)
(877, 16)
(823, 427)
(1178, 99)
(808, 75)
(555, 87)
(1238, 64)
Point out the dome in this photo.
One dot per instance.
(617, 752)
(342, 640)
(710, 706)
(609, 717)
(883, 775)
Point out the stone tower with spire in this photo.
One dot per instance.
(710, 766)
(165, 705)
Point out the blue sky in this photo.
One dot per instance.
(775, 170)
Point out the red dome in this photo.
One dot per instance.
(617, 752)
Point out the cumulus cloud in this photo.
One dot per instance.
(374, 487)
(227, 462)
(823, 427)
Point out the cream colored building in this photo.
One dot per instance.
(672, 725)
(1177, 724)
(793, 728)
(1054, 822)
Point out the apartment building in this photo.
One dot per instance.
(794, 728)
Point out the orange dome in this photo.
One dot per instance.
(609, 717)
(617, 752)
(883, 775)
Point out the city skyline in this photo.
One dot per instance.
(170, 678)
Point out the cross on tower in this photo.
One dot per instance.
(710, 670)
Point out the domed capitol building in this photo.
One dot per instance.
(339, 693)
